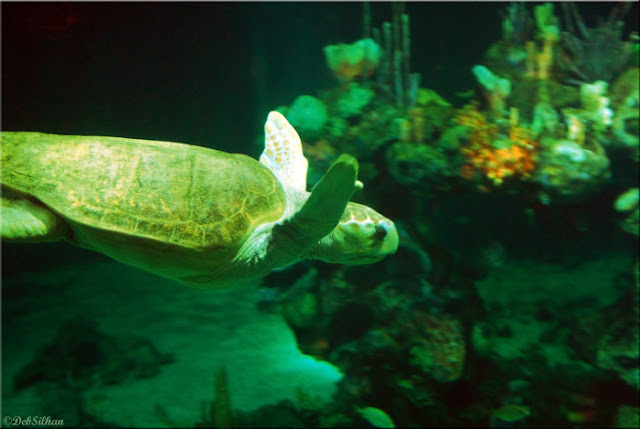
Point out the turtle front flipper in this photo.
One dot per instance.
(25, 220)
(322, 211)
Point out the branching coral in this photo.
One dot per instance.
(591, 54)
(517, 24)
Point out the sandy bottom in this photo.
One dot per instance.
(202, 328)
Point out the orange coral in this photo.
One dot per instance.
(516, 157)
(481, 131)
(497, 164)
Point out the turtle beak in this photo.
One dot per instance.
(385, 237)
(381, 242)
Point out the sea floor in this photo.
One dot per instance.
(204, 329)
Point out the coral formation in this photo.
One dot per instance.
(502, 293)
(513, 298)
(441, 351)
(308, 115)
(571, 172)
(353, 101)
(555, 113)
(349, 61)
(594, 53)
(492, 154)
(629, 203)
(497, 88)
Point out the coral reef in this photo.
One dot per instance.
(441, 351)
(502, 293)
(513, 298)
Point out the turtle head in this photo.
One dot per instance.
(363, 236)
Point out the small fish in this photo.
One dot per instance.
(376, 417)
(465, 94)
(511, 412)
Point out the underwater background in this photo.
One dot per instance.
(501, 138)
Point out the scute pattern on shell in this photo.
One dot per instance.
(173, 193)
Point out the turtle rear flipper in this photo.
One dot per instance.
(283, 153)
(25, 220)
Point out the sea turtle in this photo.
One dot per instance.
(198, 215)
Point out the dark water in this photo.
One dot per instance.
(538, 300)
(190, 72)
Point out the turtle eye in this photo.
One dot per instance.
(380, 233)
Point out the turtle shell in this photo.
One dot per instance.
(145, 202)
